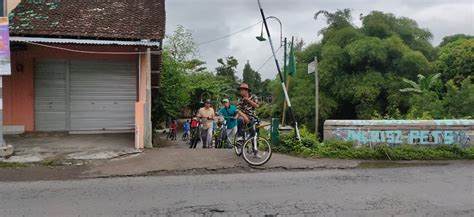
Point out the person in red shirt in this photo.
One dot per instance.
(194, 123)
(174, 128)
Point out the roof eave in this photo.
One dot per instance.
(142, 42)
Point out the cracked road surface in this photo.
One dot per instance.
(408, 191)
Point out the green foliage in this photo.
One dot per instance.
(424, 83)
(385, 69)
(459, 101)
(426, 105)
(173, 95)
(310, 147)
(185, 80)
(205, 85)
(337, 20)
(264, 111)
(227, 70)
(453, 38)
(456, 60)
(227, 67)
(367, 52)
(250, 76)
(180, 44)
(12, 165)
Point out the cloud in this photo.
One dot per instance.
(210, 19)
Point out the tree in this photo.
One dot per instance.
(336, 20)
(453, 38)
(205, 84)
(173, 94)
(249, 76)
(177, 60)
(195, 65)
(384, 25)
(227, 70)
(361, 68)
(254, 80)
(424, 83)
(227, 67)
(459, 100)
(181, 45)
(456, 60)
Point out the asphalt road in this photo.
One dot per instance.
(408, 191)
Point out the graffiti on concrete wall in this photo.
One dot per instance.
(409, 122)
(423, 137)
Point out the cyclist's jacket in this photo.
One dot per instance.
(173, 125)
(246, 108)
(229, 114)
(187, 126)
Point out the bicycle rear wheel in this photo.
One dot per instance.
(185, 136)
(257, 155)
(168, 135)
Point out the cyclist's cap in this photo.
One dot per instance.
(208, 101)
(225, 100)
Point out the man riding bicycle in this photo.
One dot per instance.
(246, 106)
(187, 128)
(173, 128)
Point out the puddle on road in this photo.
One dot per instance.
(379, 165)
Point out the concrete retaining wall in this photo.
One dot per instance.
(396, 132)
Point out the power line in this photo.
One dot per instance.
(269, 58)
(229, 35)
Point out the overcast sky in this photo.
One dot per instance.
(210, 19)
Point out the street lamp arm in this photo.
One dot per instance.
(281, 28)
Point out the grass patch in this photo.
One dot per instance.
(52, 163)
(310, 147)
(12, 165)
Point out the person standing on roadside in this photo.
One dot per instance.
(230, 114)
(206, 114)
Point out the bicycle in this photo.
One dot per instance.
(195, 136)
(256, 150)
(221, 138)
(185, 135)
(171, 135)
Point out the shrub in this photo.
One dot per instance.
(310, 147)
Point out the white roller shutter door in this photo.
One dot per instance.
(102, 95)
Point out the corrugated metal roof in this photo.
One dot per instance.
(84, 41)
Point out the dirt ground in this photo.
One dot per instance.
(41, 173)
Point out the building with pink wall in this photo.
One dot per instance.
(83, 66)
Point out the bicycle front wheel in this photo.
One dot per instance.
(238, 148)
(259, 154)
